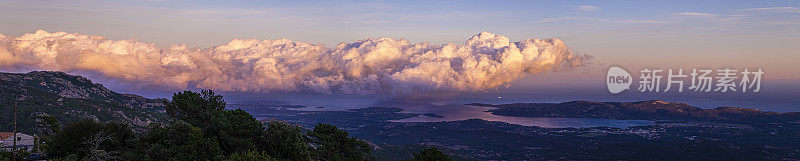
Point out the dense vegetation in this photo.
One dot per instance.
(100, 124)
(199, 127)
(430, 154)
(69, 98)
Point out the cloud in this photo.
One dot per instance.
(369, 66)
(698, 14)
(587, 8)
(599, 20)
(774, 9)
(756, 16)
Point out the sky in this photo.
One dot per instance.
(632, 34)
(715, 31)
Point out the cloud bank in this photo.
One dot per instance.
(369, 66)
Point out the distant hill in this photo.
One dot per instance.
(643, 110)
(68, 98)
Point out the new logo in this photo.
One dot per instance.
(618, 80)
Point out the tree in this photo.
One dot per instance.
(201, 129)
(178, 141)
(430, 154)
(335, 144)
(251, 156)
(286, 141)
(195, 108)
(235, 130)
(47, 124)
(6, 155)
(88, 139)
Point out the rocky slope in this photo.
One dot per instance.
(68, 98)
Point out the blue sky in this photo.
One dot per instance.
(206, 23)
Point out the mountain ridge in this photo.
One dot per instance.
(641, 110)
(69, 98)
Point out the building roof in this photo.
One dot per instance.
(6, 135)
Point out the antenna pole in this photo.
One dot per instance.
(14, 147)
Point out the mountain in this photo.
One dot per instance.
(68, 98)
(496, 140)
(642, 110)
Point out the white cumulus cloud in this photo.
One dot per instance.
(369, 66)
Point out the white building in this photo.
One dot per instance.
(25, 142)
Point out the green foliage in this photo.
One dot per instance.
(71, 157)
(6, 156)
(430, 154)
(90, 140)
(178, 141)
(38, 94)
(200, 129)
(286, 141)
(235, 130)
(335, 144)
(9, 156)
(251, 156)
(195, 108)
(47, 124)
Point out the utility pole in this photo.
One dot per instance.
(14, 147)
